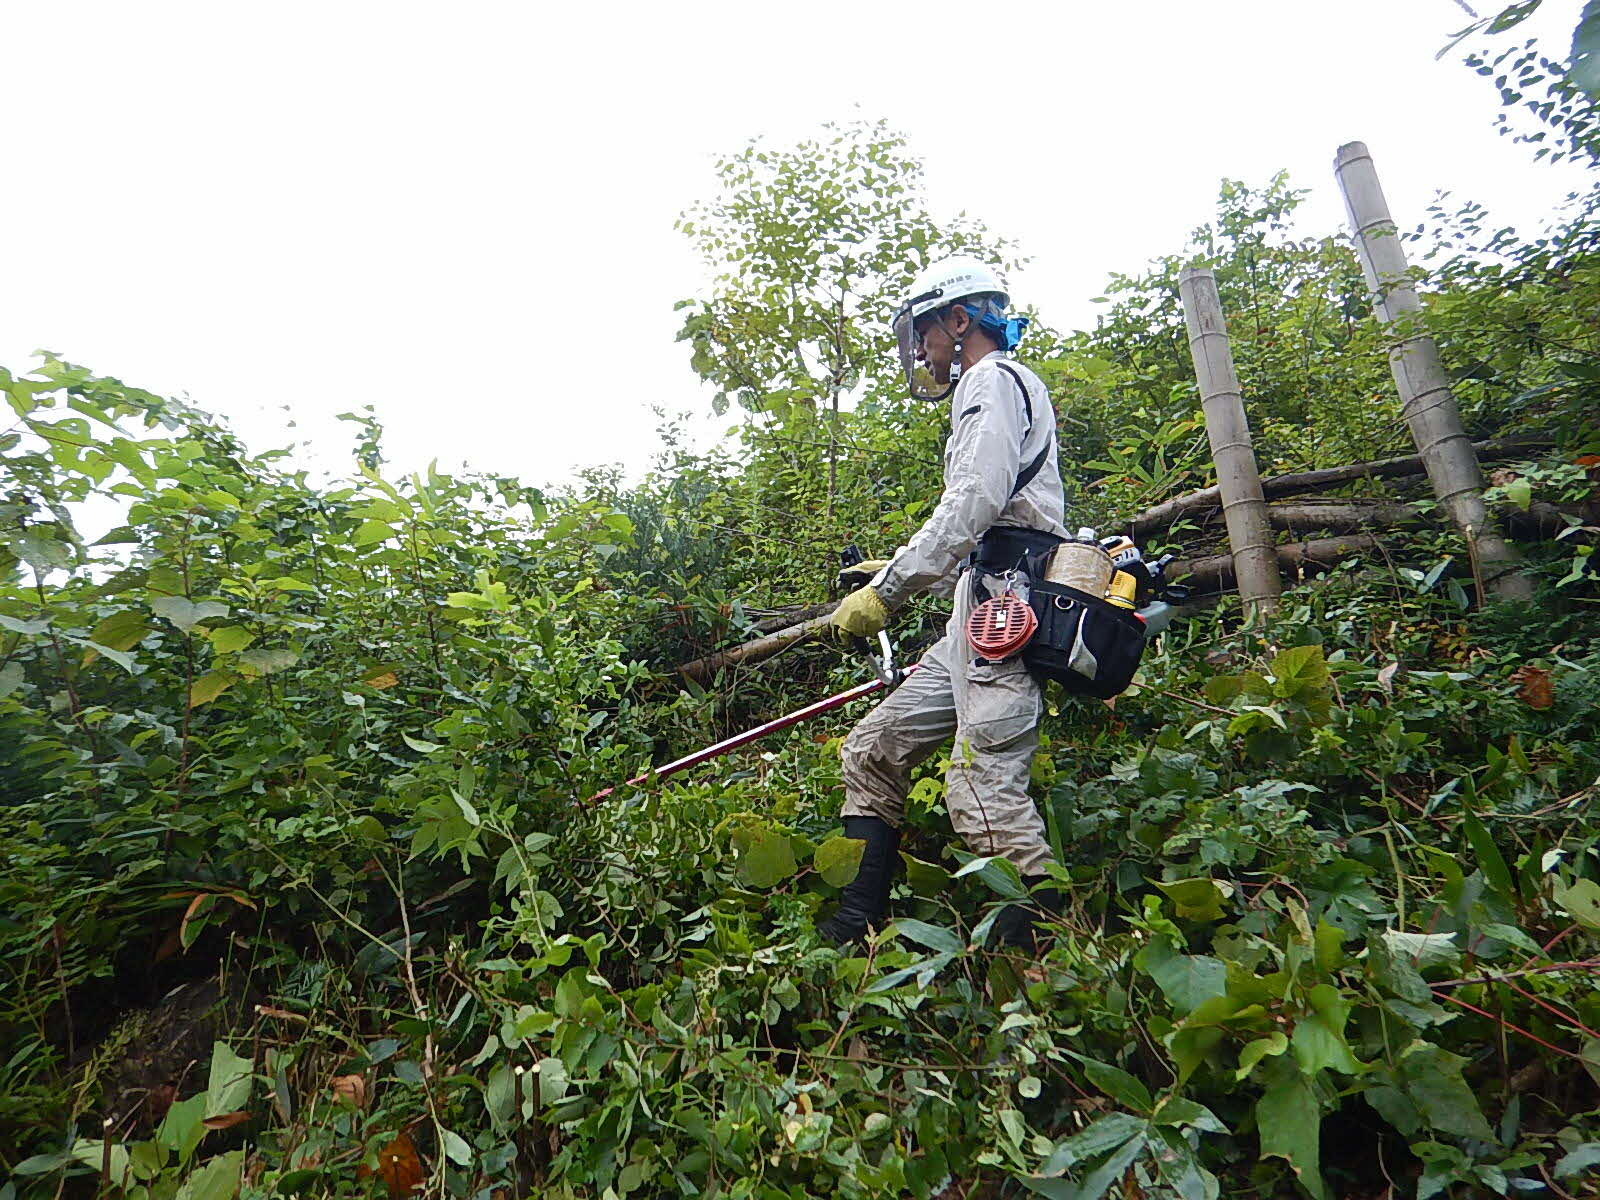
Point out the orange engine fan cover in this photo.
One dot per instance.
(998, 628)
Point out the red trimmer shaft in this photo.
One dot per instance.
(754, 735)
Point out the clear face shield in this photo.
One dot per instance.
(919, 377)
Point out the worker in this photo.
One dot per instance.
(1002, 497)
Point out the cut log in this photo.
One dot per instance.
(1343, 518)
(702, 669)
(1215, 574)
(1167, 512)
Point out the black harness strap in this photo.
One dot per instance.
(1027, 474)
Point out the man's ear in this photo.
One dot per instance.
(960, 321)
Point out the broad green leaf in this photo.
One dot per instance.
(1290, 1122)
(372, 532)
(91, 1153)
(218, 1179)
(1178, 1110)
(120, 631)
(1581, 902)
(1579, 1158)
(230, 638)
(933, 937)
(11, 678)
(186, 614)
(1198, 899)
(229, 1083)
(839, 859)
(418, 744)
(767, 860)
(41, 549)
(1432, 1079)
(1106, 1133)
(1299, 670)
(209, 686)
(287, 583)
(1318, 1040)
(552, 1080)
(1001, 876)
(265, 660)
(183, 1126)
(1520, 492)
(1254, 1052)
(925, 878)
(1186, 980)
(455, 1147)
(1119, 1085)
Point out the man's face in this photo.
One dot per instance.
(937, 341)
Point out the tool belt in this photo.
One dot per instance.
(1085, 643)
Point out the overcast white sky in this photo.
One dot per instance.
(462, 213)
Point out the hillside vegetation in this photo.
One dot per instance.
(304, 894)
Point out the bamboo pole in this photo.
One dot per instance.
(1244, 508)
(1426, 401)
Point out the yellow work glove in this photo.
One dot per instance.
(860, 614)
(860, 573)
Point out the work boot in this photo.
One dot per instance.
(1014, 928)
(865, 902)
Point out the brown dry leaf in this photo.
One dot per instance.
(1534, 687)
(1502, 476)
(1587, 460)
(226, 1120)
(350, 1090)
(1386, 676)
(381, 681)
(399, 1166)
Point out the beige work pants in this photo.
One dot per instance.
(993, 709)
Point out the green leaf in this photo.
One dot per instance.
(838, 859)
(1520, 492)
(1290, 1122)
(1000, 876)
(1299, 670)
(1119, 1085)
(1108, 1132)
(287, 583)
(229, 1083)
(1579, 1158)
(120, 631)
(1318, 1040)
(1585, 57)
(209, 686)
(1581, 902)
(372, 532)
(41, 550)
(1198, 899)
(1254, 1052)
(1187, 980)
(266, 661)
(925, 878)
(183, 1126)
(11, 678)
(767, 860)
(217, 1180)
(91, 1153)
(455, 1147)
(186, 614)
(230, 638)
(552, 1080)
(1488, 855)
(1180, 1111)
(1432, 1079)
(932, 936)
(418, 744)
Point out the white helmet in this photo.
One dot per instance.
(935, 286)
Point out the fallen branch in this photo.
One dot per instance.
(1215, 574)
(1169, 511)
(702, 669)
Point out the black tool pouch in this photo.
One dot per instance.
(1088, 645)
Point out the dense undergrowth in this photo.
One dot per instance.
(304, 893)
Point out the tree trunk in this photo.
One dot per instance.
(1243, 506)
(1427, 403)
(1215, 574)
